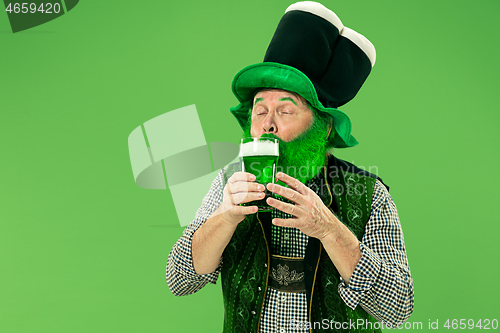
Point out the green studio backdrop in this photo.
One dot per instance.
(84, 249)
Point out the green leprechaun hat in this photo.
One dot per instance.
(315, 56)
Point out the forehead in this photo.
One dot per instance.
(277, 93)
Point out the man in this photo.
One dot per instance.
(331, 254)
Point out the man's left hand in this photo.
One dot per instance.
(312, 217)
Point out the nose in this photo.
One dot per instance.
(269, 124)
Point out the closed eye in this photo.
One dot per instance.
(261, 111)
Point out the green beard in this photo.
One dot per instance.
(303, 157)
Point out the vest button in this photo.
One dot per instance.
(265, 265)
(254, 313)
(259, 288)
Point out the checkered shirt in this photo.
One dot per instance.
(381, 282)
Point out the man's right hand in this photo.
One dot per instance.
(210, 240)
(240, 188)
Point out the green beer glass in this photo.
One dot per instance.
(259, 156)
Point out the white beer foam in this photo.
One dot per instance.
(259, 148)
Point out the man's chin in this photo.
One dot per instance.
(304, 172)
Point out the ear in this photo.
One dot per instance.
(330, 127)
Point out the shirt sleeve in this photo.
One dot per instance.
(181, 276)
(381, 282)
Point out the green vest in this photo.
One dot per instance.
(348, 191)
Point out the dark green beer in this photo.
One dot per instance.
(261, 166)
(260, 157)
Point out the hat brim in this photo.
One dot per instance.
(278, 76)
